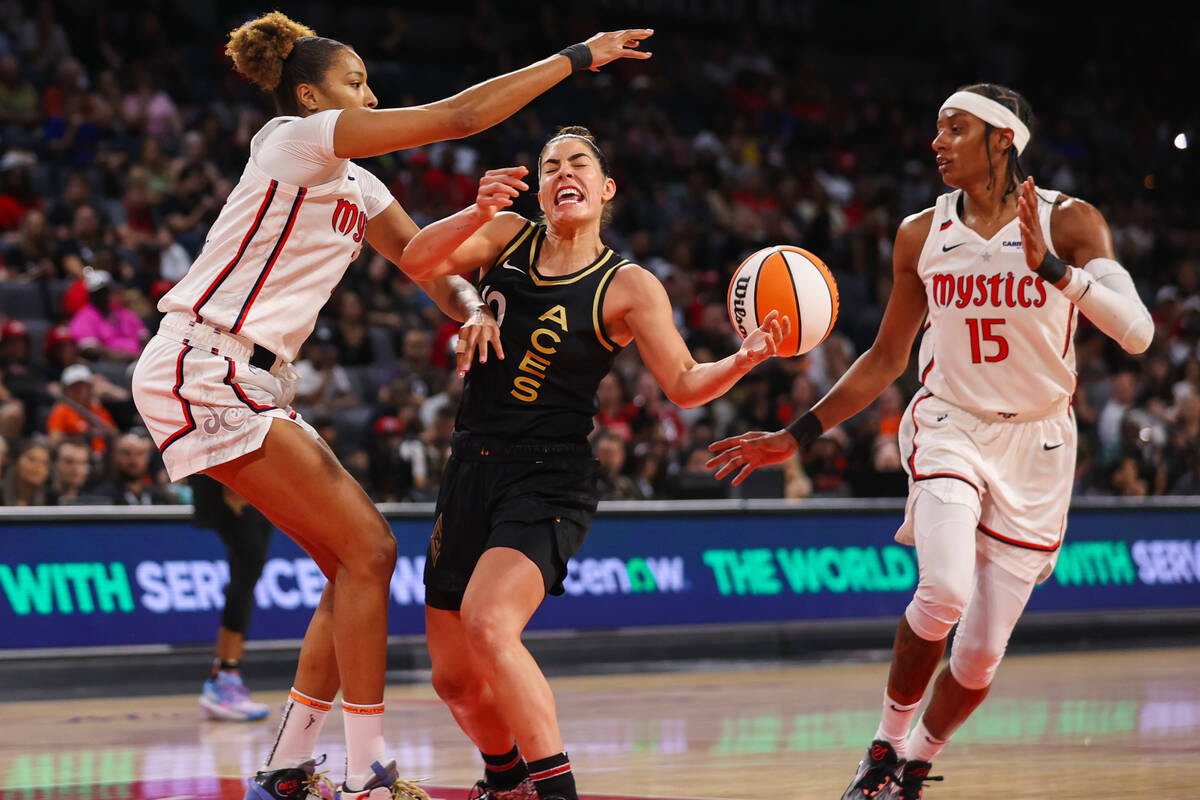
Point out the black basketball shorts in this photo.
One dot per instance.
(536, 499)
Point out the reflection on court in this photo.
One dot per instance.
(724, 733)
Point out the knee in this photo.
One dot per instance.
(937, 606)
(489, 632)
(375, 554)
(974, 665)
(458, 688)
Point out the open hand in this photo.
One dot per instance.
(498, 187)
(1032, 239)
(750, 451)
(763, 342)
(476, 333)
(608, 47)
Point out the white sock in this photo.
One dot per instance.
(894, 722)
(922, 745)
(299, 728)
(364, 741)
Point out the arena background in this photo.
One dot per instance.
(755, 123)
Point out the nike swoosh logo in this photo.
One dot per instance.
(946, 249)
(942, 417)
(507, 265)
(1052, 446)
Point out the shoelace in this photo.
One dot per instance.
(911, 789)
(408, 790)
(874, 780)
(318, 781)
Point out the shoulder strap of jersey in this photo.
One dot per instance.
(513, 248)
(942, 220)
(1047, 202)
(598, 306)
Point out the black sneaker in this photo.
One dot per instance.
(522, 791)
(291, 783)
(911, 781)
(877, 769)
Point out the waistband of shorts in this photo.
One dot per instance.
(467, 447)
(182, 328)
(1059, 407)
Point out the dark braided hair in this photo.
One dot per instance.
(279, 54)
(1016, 103)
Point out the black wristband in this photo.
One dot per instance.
(806, 429)
(1051, 269)
(580, 56)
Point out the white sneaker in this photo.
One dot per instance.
(226, 697)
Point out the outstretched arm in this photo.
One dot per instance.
(637, 302)
(362, 132)
(867, 377)
(1102, 289)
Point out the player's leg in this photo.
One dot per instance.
(505, 589)
(462, 683)
(996, 604)
(944, 534)
(302, 488)
(246, 534)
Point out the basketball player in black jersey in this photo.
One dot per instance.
(520, 488)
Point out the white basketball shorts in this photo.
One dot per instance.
(1016, 476)
(200, 400)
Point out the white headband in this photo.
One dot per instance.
(991, 112)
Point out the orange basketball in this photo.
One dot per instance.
(791, 281)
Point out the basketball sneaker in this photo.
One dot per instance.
(522, 791)
(875, 772)
(292, 783)
(911, 782)
(385, 785)
(226, 697)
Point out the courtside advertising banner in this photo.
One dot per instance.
(103, 581)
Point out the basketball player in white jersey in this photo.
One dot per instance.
(998, 271)
(215, 385)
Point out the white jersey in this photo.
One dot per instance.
(998, 341)
(277, 250)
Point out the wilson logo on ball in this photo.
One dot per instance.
(793, 282)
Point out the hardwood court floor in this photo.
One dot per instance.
(1080, 725)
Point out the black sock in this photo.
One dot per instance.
(505, 771)
(553, 778)
(220, 665)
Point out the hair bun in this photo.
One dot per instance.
(259, 47)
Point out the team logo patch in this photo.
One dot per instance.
(229, 419)
(435, 541)
(283, 788)
(878, 752)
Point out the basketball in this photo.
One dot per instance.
(793, 282)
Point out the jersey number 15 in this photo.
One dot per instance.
(981, 331)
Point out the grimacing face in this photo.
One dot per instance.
(572, 187)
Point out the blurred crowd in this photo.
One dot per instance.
(121, 132)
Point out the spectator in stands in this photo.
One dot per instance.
(17, 196)
(148, 109)
(1124, 392)
(18, 100)
(323, 387)
(78, 413)
(614, 414)
(29, 252)
(416, 355)
(71, 471)
(60, 351)
(351, 337)
(609, 447)
(25, 483)
(131, 484)
(42, 39)
(399, 461)
(22, 384)
(103, 328)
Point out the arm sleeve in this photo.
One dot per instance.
(300, 151)
(1105, 294)
(376, 196)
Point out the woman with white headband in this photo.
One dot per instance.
(520, 486)
(996, 272)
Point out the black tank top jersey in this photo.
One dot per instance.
(555, 346)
